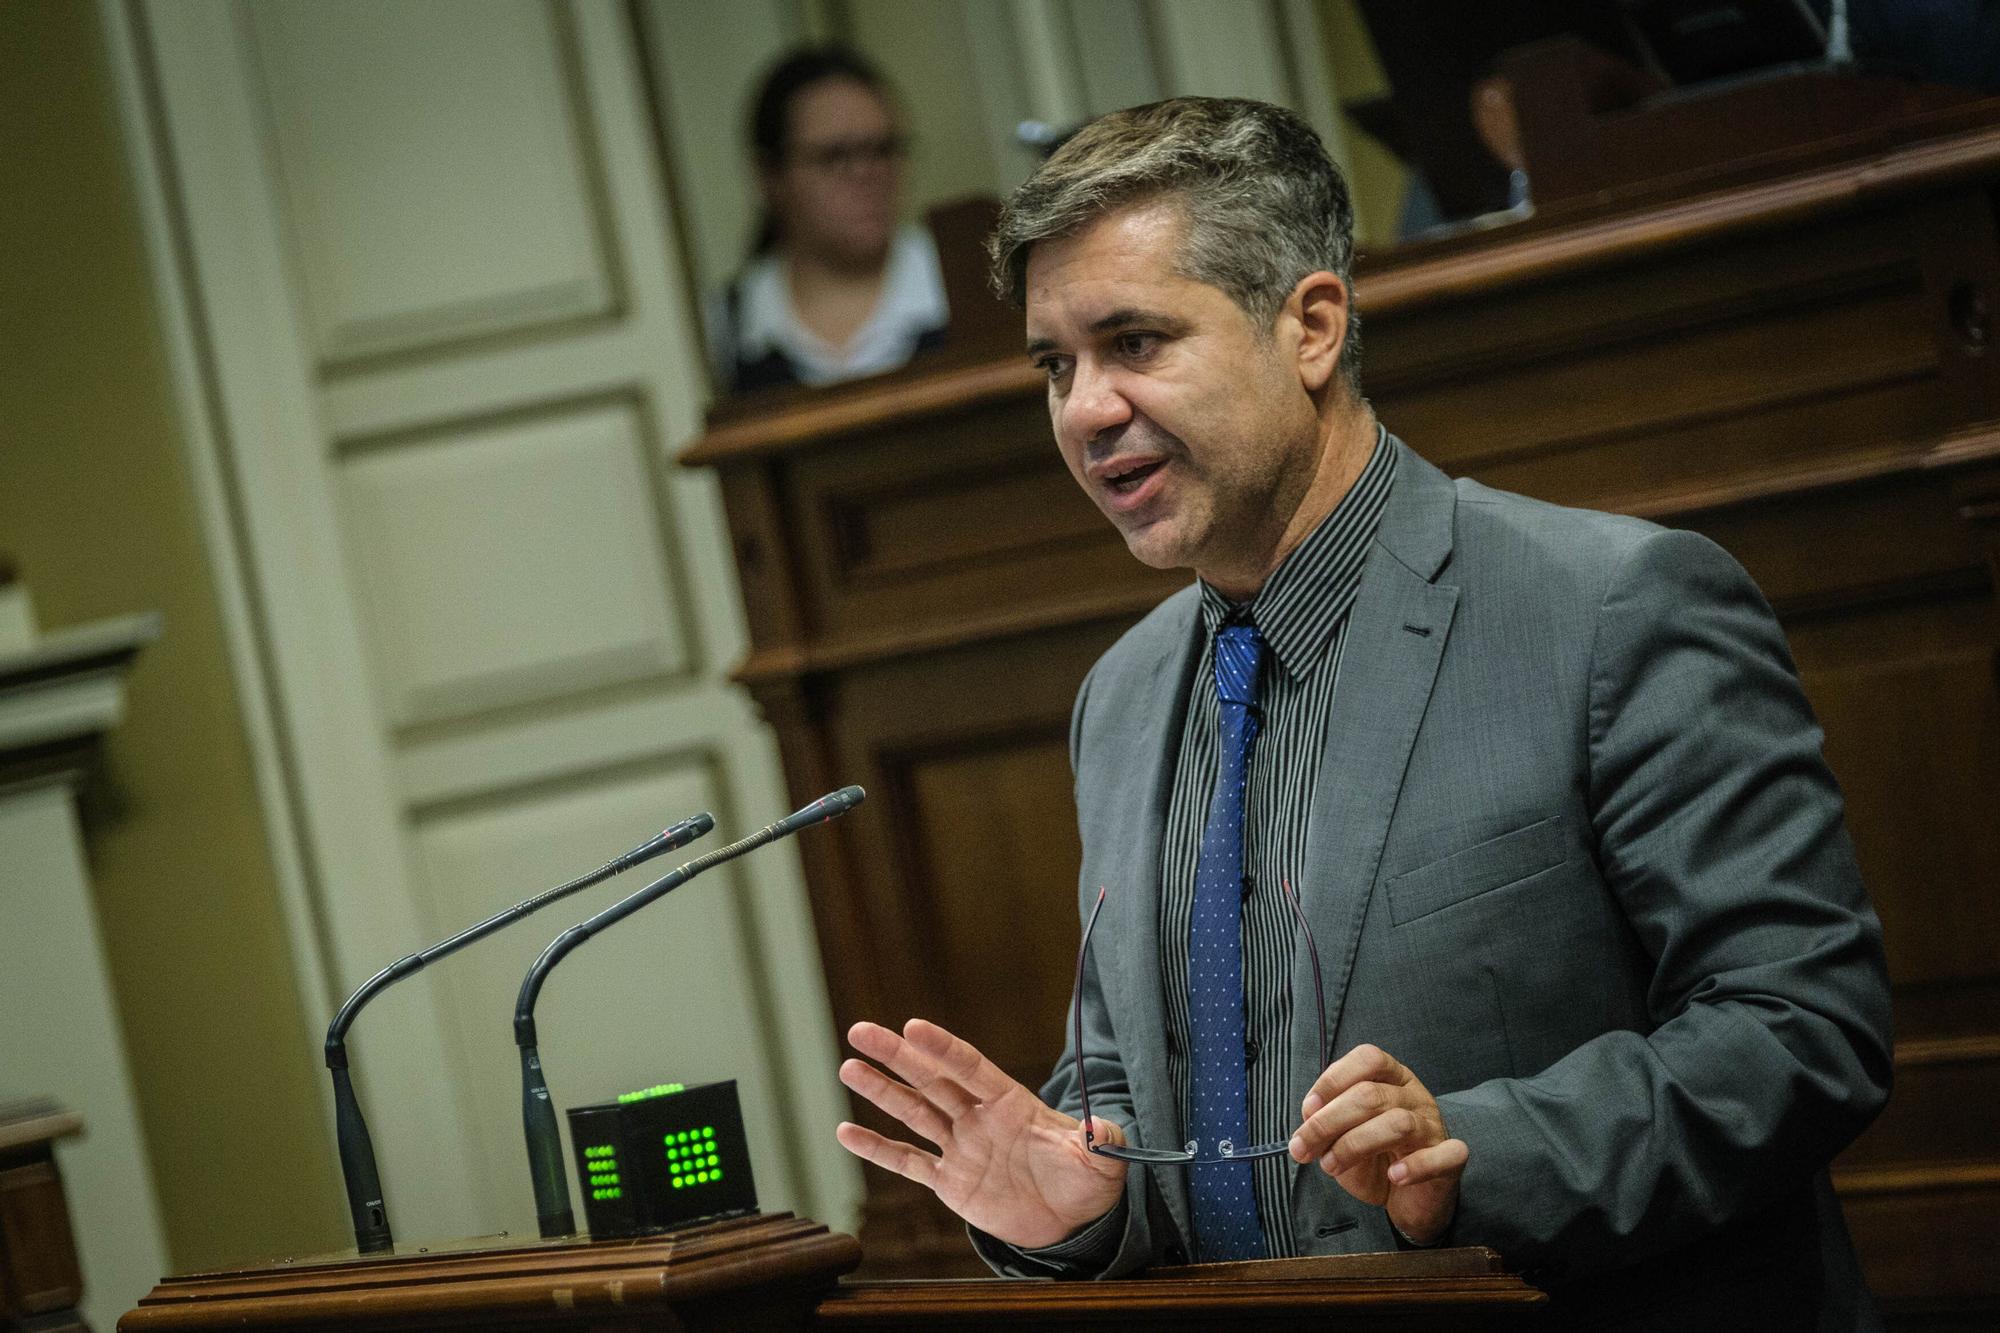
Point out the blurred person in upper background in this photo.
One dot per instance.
(834, 288)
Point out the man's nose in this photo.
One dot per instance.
(1094, 405)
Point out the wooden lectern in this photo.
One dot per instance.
(779, 1272)
(1426, 1289)
(767, 1271)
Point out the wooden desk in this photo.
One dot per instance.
(1797, 360)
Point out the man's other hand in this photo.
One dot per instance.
(1377, 1131)
(1006, 1163)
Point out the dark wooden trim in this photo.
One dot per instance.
(871, 406)
(1901, 169)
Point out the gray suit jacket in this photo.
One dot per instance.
(1576, 860)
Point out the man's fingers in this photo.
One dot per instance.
(960, 1059)
(1397, 1130)
(1354, 1107)
(1366, 1063)
(1438, 1162)
(909, 1162)
(913, 1065)
(905, 1104)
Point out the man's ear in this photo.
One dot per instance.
(1321, 303)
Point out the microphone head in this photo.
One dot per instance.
(685, 832)
(830, 806)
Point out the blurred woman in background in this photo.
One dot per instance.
(834, 287)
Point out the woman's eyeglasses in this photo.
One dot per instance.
(843, 156)
(1223, 1150)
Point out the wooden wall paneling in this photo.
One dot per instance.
(898, 532)
(1771, 351)
(1960, 248)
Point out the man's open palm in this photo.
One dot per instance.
(1011, 1166)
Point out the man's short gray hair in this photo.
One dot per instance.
(1263, 203)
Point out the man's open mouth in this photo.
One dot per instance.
(1124, 483)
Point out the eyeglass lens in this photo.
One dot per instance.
(848, 155)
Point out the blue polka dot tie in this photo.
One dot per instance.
(1223, 1193)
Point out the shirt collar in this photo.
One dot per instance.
(912, 302)
(1309, 593)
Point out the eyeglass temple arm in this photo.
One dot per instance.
(1312, 948)
(1076, 1002)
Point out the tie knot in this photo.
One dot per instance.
(1239, 654)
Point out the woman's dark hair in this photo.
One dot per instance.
(771, 113)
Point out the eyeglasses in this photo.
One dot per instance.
(845, 155)
(1224, 1150)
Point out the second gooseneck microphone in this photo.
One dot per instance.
(538, 1112)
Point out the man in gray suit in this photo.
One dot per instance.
(1525, 800)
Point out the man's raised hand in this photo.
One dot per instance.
(1006, 1163)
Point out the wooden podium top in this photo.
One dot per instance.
(1455, 1288)
(764, 1271)
(779, 1271)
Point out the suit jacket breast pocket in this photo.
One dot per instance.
(1481, 868)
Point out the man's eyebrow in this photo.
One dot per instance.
(1127, 316)
(1123, 318)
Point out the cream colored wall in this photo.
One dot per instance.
(96, 506)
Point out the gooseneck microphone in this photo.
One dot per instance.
(357, 1152)
(538, 1112)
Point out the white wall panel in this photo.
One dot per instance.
(511, 563)
(1223, 48)
(667, 995)
(1116, 54)
(430, 200)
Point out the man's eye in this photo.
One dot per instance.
(1052, 366)
(1135, 346)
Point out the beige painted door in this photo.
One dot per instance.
(436, 358)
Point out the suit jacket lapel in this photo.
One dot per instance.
(1395, 639)
(1126, 943)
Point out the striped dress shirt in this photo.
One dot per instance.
(1301, 611)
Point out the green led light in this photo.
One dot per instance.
(610, 1178)
(600, 1150)
(607, 1194)
(657, 1090)
(678, 1182)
